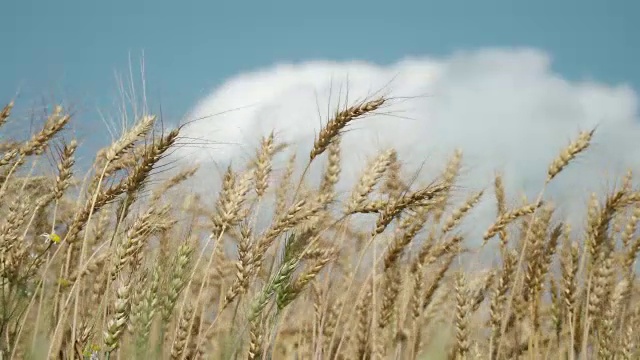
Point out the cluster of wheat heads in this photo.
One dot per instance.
(133, 277)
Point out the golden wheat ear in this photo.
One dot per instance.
(339, 122)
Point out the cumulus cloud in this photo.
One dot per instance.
(505, 108)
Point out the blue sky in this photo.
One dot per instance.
(69, 50)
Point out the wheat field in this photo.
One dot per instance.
(116, 264)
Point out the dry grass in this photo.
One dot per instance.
(133, 277)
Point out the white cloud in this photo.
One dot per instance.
(505, 108)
